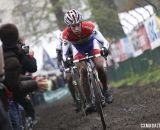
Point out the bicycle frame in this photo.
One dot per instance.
(93, 74)
(95, 85)
(91, 69)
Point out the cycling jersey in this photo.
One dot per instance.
(59, 43)
(86, 31)
(88, 41)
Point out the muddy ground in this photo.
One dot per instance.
(132, 106)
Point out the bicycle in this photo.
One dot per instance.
(95, 85)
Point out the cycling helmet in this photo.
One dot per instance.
(72, 17)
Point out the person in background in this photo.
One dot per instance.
(5, 123)
(9, 36)
(29, 65)
(67, 75)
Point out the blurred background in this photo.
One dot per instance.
(131, 26)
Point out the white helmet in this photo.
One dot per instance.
(72, 17)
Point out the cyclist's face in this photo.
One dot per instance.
(76, 28)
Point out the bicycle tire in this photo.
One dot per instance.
(98, 97)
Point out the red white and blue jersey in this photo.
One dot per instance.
(86, 42)
(86, 30)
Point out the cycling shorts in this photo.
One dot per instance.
(92, 47)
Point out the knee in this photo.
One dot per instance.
(100, 67)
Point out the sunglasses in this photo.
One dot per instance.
(75, 25)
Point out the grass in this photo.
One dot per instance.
(152, 75)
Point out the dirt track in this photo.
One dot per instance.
(132, 106)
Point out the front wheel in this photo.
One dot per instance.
(98, 100)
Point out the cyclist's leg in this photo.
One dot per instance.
(84, 84)
(99, 62)
(84, 80)
(100, 66)
(70, 86)
(78, 53)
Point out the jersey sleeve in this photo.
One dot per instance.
(59, 43)
(65, 49)
(100, 38)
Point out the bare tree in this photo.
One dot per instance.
(35, 17)
(58, 10)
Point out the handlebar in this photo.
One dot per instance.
(87, 57)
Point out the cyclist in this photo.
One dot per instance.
(68, 76)
(84, 38)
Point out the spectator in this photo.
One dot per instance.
(4, 118)
(29, 65)
(12, 58)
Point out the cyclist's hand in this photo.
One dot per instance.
(61, 68)
(68, 62)
(104, 51)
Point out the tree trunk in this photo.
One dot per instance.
(58, 11)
